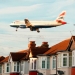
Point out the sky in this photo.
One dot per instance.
(12, 10)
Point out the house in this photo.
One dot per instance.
(44, 59)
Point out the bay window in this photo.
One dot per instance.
(43, 62)
(64, 59)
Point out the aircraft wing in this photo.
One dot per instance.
(27, 22)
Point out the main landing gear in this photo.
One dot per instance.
(38, 30)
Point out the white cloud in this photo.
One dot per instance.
(19, 9)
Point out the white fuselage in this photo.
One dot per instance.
(37, 23)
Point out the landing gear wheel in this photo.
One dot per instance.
(38, 30)
(31, 28)
(16, 29)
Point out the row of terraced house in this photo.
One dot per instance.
(43, 59)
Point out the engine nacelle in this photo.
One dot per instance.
(32, 29)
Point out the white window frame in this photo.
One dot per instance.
(7, 65)
(73, 58)
(44, 59)
(67, 59)
(15, 66)
(43, 64)
(59, 61)
(53, 62)
(33, 63)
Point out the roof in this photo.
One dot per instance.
(73, 38)
(5, 60)
(62, 46)
(2, 58)
(38, 50)
(18, 56)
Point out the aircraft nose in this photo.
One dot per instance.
(64, 23)
(10, 25)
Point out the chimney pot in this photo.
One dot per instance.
(31, 44)
(45, 44)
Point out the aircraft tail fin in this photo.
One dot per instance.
(61, 16)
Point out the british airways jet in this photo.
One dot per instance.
(36, 25)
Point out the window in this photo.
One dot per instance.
(48, 62)
(54, 62)
(43, 63)
(7, 67)
(65, 59)
(16, 66)
(0, 68)
(33, 63)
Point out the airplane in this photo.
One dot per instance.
(36, 25)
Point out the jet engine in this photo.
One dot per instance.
(34, 29)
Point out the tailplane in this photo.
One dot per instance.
(61, 16)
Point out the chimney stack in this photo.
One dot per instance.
(45, 44)
(32, 44)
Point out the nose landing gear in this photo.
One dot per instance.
(16, 29)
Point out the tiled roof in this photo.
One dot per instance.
(17, 56)
(38, 50)
(5, 60)
(2, 58)
(62, 46)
